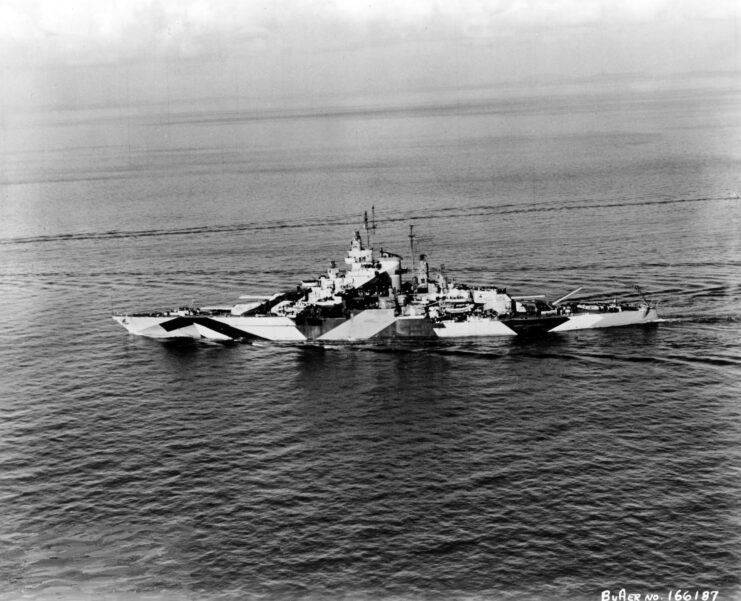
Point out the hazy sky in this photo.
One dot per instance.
(108, 52)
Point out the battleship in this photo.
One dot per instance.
(371, 299)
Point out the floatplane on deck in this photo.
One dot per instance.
(370, 300)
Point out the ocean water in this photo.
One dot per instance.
(555, 468)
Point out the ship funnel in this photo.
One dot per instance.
(391, 264)
(442, 281)
(423, 271)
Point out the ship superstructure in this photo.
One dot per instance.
(370, 300)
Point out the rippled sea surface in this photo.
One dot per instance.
(472, 469)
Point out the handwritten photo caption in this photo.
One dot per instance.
(673, 595)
